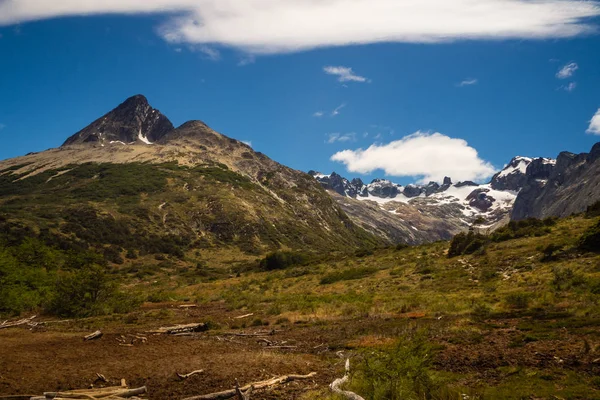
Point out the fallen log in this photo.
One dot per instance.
(104, 393)
(336, 385)
(227, 394)
(172, 330)
(185, 376)
(244, 316)
(93, 336)
(13, 324)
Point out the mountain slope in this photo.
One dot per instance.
(192, 188)
(567, 187)
(417, 214)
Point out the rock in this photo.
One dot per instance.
(133, 121)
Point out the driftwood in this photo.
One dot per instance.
(172, 330)
(23, 321)
(241, 395)
(103, 393)
(185, 376)
(227, 394)
(335, 385)
(92, 336)
(244, 316)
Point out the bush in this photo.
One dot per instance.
(466, 243)
(548, 251)
(283, 260)
(82, 293)
(523, 228)
(590, 240)
(401, 371)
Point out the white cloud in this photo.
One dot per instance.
(570, 87)
(247, 60)
(567, 71)
(337, 110)
(338, 137)
(430, 157)
(247, 142)
(468, 82)
(277, 26)
(344, 74)
(318, 114)
(594, 128)
(208, 52)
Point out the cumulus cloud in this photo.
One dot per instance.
(344, 74)
(338, 137)
(567, 71)
(468, 82)
(429, 157)
(594, 128)
(276, 26)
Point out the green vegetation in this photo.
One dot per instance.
(401, 371)
(35, 275)
(283, 260)
(347, 275)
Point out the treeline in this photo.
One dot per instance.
(40, 271)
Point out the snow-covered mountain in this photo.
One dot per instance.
(435, 210)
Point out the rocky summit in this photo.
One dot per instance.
(132, 180)
(131, 122)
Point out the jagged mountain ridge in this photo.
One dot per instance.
(187, 182)
(421, 213)
(566, 187)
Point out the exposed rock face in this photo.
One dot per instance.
(567, 187)
(480, 199)
(132, 121)
(513, 176)
(384, 189)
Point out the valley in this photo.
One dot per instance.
(437, 291)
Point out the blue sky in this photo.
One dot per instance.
(494, 91)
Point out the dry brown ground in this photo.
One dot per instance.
(56, 358)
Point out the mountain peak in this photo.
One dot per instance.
(133, 121)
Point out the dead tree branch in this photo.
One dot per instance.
(227, 394)
(185, 376)
(92, 336)
(336, 385)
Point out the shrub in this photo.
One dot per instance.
(548, 251)
(590, 240)
(593, 210)
(282, 260)
(82, 293)
(349, 274)
(466, 243)
(518, 300)
(401, 371)
(523, 228)
(566, 278)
